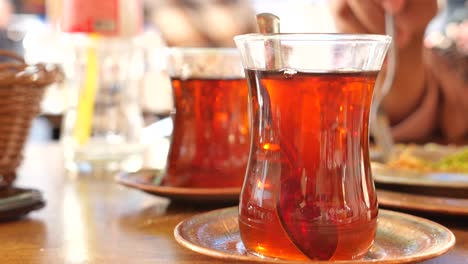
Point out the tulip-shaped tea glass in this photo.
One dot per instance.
(308, 191)
(211, 139)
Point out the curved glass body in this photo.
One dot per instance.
(308, 192)
(211, 139)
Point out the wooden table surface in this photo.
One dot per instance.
(99, 221)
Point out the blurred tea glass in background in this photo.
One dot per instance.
(309, 175)
(211, 139)
(103, 122)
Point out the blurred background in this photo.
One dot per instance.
(29, 27)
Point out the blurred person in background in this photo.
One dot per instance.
(6, 13)
(201, 23)
(17, 17)
(30, 6)
(429, 97)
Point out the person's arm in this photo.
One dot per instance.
(449, 67)
(409, 91)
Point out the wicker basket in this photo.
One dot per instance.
(21, 90)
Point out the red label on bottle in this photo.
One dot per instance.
(91, 16)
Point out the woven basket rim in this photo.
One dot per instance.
(21, 88)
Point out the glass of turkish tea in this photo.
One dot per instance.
(308, 191)
(211, 138)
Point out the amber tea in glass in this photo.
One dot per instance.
(308, 192)
(211, 139)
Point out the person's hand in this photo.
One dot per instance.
(367, 16)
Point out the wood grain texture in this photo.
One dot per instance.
(99, 221)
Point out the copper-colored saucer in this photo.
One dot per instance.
(401, 238)
(147, 180)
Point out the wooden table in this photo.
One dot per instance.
(99, 221)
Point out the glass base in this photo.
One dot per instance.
(103, 160)
(272, 258)
(258, 255)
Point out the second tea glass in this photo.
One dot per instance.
(308, 192)
(211, 139)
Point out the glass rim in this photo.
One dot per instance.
(319, 37)
(203, 50)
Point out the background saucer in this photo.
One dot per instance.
(148, 180)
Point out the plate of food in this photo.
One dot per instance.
(423, 203)
(431, 169)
